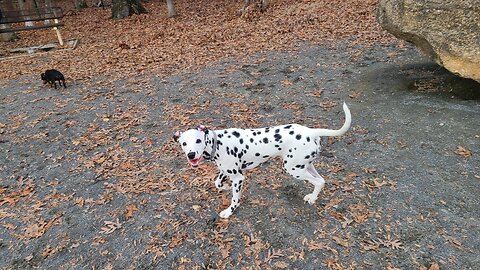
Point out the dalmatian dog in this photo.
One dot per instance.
(236, 150)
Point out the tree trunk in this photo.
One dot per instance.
(125, 8)
(80, 4)
(171, 9)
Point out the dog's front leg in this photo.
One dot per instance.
(220, 181)
(237, 182)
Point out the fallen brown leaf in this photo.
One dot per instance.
(462, 151)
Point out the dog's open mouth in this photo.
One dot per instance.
(195, 162)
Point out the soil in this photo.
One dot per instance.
(90, 177)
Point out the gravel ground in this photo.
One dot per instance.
(90, 177)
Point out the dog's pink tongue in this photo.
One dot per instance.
(194, 162)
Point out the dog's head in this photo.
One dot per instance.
(44, 78)
(193, 143)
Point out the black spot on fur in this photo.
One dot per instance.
(291, 132)
(308, 139)
(229, 171)
(236, 134)
(257, 154)
(298, 137)
(266, 156)
(251, 140)
(241, 141)
(307, 157)
(277, 137)
(265, 140)
(287, 127)
(277, 130)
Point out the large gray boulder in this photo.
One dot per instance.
(448, 31)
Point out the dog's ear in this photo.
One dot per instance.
(202, 128)
(177, 135)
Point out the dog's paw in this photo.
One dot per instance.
(226, 213)
(310, 198)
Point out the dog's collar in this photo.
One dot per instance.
(214, 146)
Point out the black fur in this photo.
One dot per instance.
(51, 76)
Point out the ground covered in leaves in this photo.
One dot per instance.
(90, 177)
(203, 32)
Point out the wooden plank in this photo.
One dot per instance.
(27, 28)
(31, 15)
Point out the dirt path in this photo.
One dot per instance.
(90, 177)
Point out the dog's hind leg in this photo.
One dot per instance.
(318, 183)
(309, 173)
(237, 182)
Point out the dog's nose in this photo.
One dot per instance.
(191, 155)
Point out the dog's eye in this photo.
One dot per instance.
(184, 144)
(199, 141)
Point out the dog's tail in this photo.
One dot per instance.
(337, 132)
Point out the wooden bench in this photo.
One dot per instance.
(24, 20)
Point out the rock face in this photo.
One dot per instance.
(448, 31)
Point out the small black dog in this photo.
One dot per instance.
(51, 76)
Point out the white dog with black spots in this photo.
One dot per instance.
(236, 150)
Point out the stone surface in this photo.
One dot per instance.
(448, 31)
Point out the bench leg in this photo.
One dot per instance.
(59, 36)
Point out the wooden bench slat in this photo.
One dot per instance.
(28, 19)
(35, 27)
